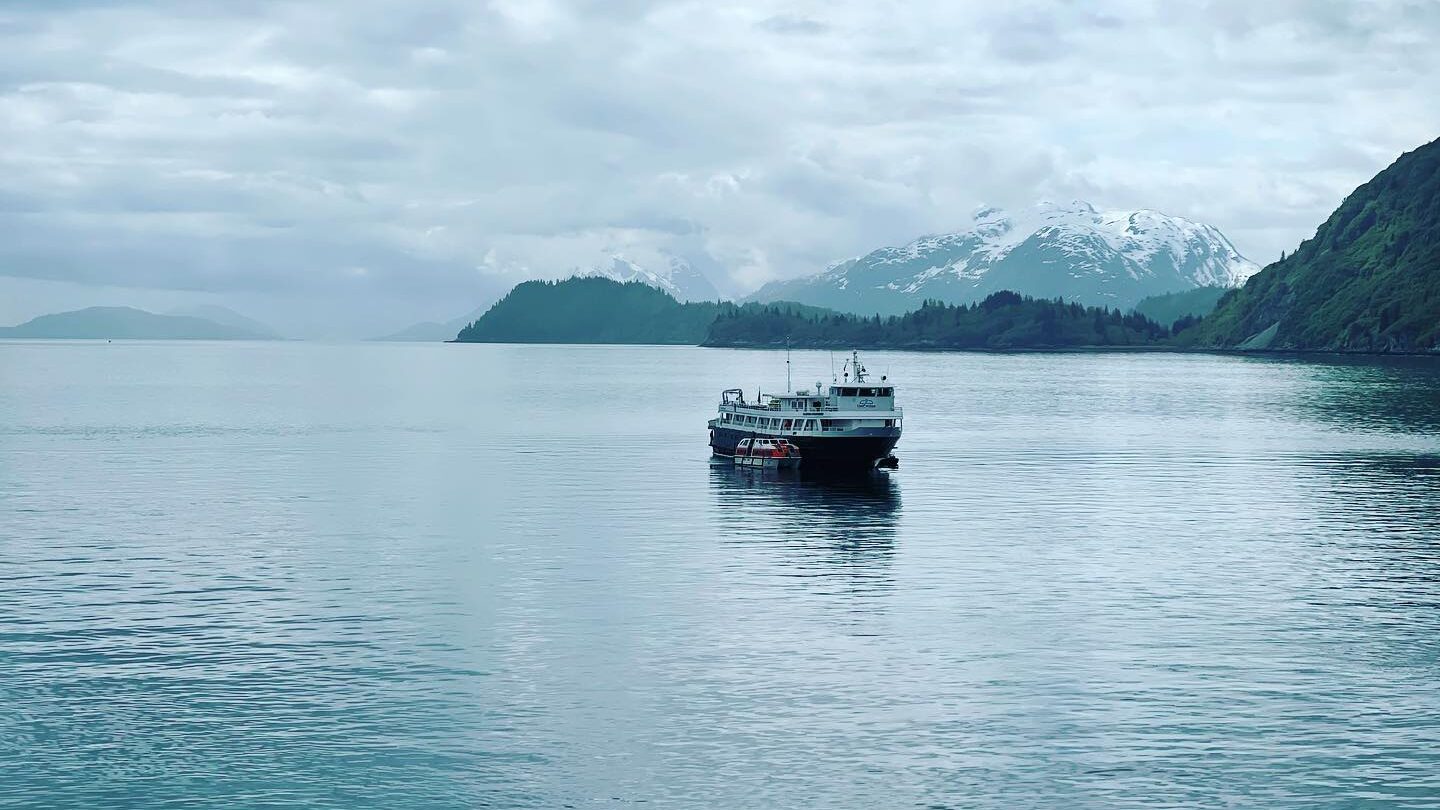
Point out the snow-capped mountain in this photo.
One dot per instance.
(1070, 251)
(679, 279)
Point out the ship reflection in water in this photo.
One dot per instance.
(830, 532)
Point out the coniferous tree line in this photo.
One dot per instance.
(1004, 320)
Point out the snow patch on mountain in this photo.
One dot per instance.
(682, 281)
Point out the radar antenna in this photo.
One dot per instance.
(859, 369)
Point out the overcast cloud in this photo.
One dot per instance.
(353, 166)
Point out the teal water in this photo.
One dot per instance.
(430, 576)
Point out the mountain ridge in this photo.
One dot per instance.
(1071, 251)
(226, 317)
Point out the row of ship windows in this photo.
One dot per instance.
(774, 423)
(817, 404)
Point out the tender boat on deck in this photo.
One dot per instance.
(769, 454)
(854, 424)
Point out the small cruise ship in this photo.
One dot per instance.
(855, 423)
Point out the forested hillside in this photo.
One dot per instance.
(1369, 280)
(590, 310)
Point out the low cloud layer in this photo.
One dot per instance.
(404, 159)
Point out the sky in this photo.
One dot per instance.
(343, 169)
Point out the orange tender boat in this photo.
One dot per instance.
(773, 454)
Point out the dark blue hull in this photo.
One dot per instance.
(816, 452)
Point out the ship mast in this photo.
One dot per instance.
(788, 388)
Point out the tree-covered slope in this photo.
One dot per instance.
(1368, 281)
(1169, 308)
(1004, 320)
(590, 310)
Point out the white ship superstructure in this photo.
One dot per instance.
(853, 422)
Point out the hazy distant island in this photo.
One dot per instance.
(229, 317)
(432, 331)
(1368, 281)
(128, 323)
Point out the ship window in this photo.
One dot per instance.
(785, 425)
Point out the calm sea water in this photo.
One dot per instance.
(430, 576)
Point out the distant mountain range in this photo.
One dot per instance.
(1368, 281)
(126, 323)
(1073, 251)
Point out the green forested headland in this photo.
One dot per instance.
(591, 310)
(1368, 281)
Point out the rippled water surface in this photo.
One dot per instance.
(431, 576)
